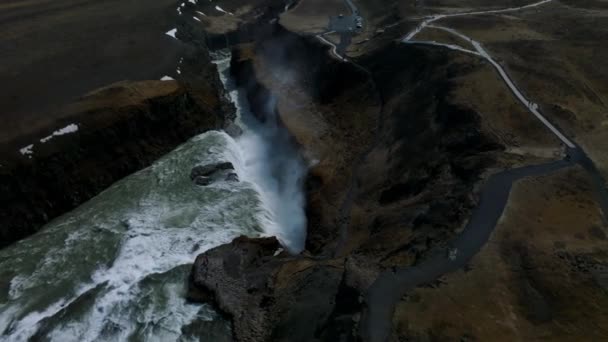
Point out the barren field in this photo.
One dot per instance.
(52, 52)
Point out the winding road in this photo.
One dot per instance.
(390, 286)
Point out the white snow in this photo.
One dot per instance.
(27, 150)
(195, 18)
(171, 33)
(167, 78)
(201, 13)
(71, 128)
(222, 10)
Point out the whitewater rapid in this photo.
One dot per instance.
(116, 267)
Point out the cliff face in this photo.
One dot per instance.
(121, 129)
(394, 167)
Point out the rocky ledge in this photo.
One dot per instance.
(120, 129)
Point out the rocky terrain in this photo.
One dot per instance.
(401, 139)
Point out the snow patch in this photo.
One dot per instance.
(71, 128)
(167, 78)
(171, 33)
(222, 10)
(27, 150)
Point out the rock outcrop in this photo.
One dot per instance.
(269, 294)
(204, 175)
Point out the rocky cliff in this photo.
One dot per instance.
(121, 129)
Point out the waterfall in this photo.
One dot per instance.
(272, 163)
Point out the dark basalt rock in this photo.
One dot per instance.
(203, 181)
(232, 177)
(210, 169)
(268, 297)
(204, 175)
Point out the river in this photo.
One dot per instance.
(116, 267)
